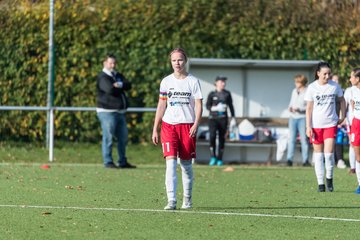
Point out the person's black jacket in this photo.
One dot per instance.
(108, 96)
(216, 97)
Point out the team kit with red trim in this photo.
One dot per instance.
(179, 115)
(355, 127)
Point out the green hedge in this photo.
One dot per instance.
(141, 33)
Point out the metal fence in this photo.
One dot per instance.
(51, 110)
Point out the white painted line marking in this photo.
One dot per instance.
(98, 165)
(185, 211)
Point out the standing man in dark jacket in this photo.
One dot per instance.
(217, 103)
(111, 108)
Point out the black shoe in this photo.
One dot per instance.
(127, 165)
(329, 185)
(306, 164)
(110, 165)
(289, 163)
(321, 188)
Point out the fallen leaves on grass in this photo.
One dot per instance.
(229, 169)
(80, 188)
(46, 213)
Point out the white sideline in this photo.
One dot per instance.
(60, 164)
(184, 212)
(30, 164)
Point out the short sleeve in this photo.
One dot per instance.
(308, 95)
(347, 95)
(163, 91)
(197, 90)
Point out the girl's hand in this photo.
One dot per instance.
(155, 137)
(340, 121)
(193, 130)
(308, 132)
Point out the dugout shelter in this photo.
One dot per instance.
(261, 91)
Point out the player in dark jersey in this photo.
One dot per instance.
(218, 103)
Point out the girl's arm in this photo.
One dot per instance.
(342, 109)
(309, 109)
(161, 107)
(198, 113)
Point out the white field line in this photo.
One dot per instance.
(140, 166)
(59, 164)
(183, 212)
(51, 164)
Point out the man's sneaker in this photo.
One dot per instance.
(220, 162)
(321, 188)
(289, 163)
(212, 161)
(329, 185)
(127, 165)
(357, 190)
(341, 164)
(306, 164)
(110, 165)
(170, 206)
(187, 203)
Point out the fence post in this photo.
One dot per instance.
(51, 135)
(50, 99)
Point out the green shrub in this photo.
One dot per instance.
(141, 33)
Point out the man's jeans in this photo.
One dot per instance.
(298, 125)
(113, 124)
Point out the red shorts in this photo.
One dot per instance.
(176, 141)
(355, 132)
(320, 134)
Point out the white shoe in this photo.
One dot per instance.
(341, 164)
(187, 203)
(170, 206)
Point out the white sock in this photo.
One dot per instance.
(187, 177)
(171, 179)
(329, 165)
(357, 164)
(352, 158)
(319, 167)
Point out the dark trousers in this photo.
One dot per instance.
(217, 126)
(339, 152)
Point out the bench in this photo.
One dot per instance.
(252, 151)
(240, 152)
(257, 121)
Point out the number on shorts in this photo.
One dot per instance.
(167, 147)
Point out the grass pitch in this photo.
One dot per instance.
(90, 202)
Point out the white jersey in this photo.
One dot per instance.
(355, 96)
(180, 95)
(349, 113)
(324, 98)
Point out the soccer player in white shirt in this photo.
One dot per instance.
(355, 126)
(322, 121)
(179, 110)
(349, 118)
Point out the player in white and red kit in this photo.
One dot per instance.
(322, 121)
(179, 111)
(349, 118)
(355, 125)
